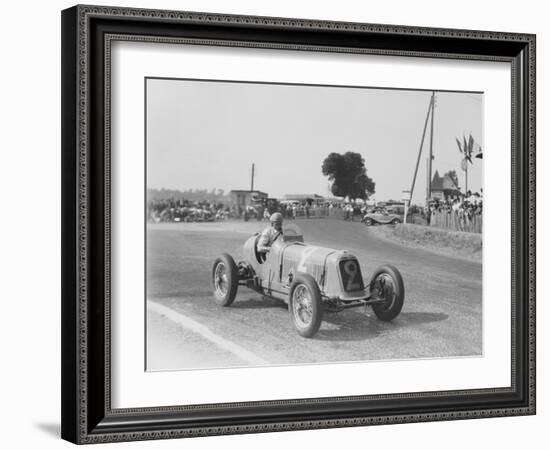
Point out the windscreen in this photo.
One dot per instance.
(292, 232)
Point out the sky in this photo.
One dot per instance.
(207, 134)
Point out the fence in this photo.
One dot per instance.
(320, 212)
(453, 220)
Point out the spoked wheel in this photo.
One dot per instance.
(387, 284)
(225, 279)
(305, 305)
(368, 222)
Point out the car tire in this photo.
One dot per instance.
(368, 222)
(305, 305)
(381, 278)
(225, 279)
(395, 221)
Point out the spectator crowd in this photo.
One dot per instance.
(462, 213)
(468, 205)
(181, 210)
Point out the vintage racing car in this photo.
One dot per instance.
(310, 279)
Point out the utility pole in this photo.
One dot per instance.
(428, 182)
(430, 111)
(429, 189)
(252, 179)
(464, 165)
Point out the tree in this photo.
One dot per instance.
(348, 175)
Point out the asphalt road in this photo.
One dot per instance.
(441, 317)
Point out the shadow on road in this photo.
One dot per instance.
(258, 303)
(347, 325)
(416, 318)
(356, 326)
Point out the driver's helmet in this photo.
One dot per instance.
(276, 217)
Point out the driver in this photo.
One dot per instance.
(271, 233)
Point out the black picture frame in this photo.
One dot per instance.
(87, 416)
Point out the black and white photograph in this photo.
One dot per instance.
(292, 224)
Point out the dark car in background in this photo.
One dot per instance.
(390, 215)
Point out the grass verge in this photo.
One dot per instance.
(447, 242)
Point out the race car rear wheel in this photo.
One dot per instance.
(305, 305)
(387, 283)
(225, 279)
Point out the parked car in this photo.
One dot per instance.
(312, 280)
(382, 217)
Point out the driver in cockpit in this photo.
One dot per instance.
(271, 233)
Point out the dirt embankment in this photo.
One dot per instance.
(447, 242)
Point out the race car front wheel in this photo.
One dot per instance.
(225, 279)
(305, 306)
(387, 284)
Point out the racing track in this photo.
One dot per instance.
(186, 329)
